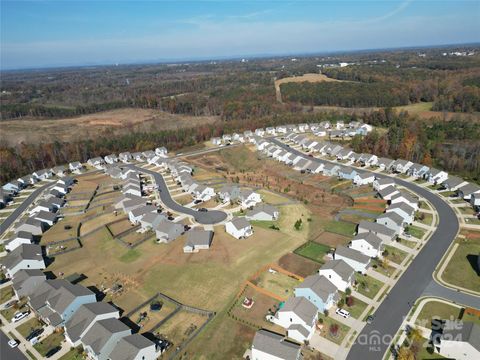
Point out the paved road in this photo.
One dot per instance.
(375, 338)
(206, 218)
(6, 352)
(461, 298)
(22, 207)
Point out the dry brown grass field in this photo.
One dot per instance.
(89, 126)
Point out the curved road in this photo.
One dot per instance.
(375, 338)
(22, 207)
(205, 218)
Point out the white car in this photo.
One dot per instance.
(19, 316)
(13, 343)
(343, 313)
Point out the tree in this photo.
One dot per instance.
(348, 291)
(298, 224)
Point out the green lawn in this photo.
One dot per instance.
(325, 332)
(367, 285)
(415, 231)
(436, 310)
(395, 255)
(73, 354)
(424, 218)
(387, 271)
(48, 343)
(6, 294)
(410, 244)
(340, 227)
(264, 224)
(313, 251)
(460, 270)
(130, 256)
(27, 327)
(424, 353)
(356, 309)
(9, 313)
(447, 193)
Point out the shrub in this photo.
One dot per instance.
(333, 329)
(350, 301)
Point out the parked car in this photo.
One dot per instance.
(342, 312)
(53, 351)
(198, 201)
(10, 304)
(19, 316)
(13, 343)
(202, 210)
(34, 333)
(370, 319)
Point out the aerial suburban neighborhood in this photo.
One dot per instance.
(240, 180)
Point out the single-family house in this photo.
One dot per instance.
(382, 183)
(418, 170)
(461, 342)
(267, 345)
(301, 164)
(161, 151)
(111, 159)
(404, 210)
(125, 157)
(405, 197)
(239, 228)
(60, 170)
(392, 221)
(386, 234)
(401, 166)
(13, 187)
(385, 164)
(103, 336)
(319, 290)
(167, 231)
(21, 237)
(339, 273)
(465, 192)
(263, 212)
(368, 244)
(299, 317)
(96, 162)
(31, 225)
(198, 240)
(453, 183)
(364, 179)
(347, 173)
(229, 193)
(138, 156)
(136, 215)
(43, 174)
(475, 200)
(134, 347)
(248, 198)
(368, 160)
(203, 192)
(435, 176)
(260, 132)
(388, 192)
(25, 282)
(344, 154)
(75, 167)
(330, 169)
(26, 256)
(27, 180)
(151, 220)
(358, 261)
(85, 317)
(46, 217)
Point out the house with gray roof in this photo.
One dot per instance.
(358, 261)
(339, 273)
(368, 244)
(406, 197)
(25, 282)
(269, 345)
(103, 337)
(392, 221)
(198, 240)
(435, 176)
(263, 212)
(319, 290)
(466, 191)
(401, 166)
(229, 193)
(404, 210)
(136, 215)
(46, 217)
(75, 167)
(387, 235)
(330, 169)
(56, 301)
(134, 347)
(418, 170)
(21, 237)
(84, 318)
(388, 192)
(26, 256)
(31, 225)
(385, 163)
(151, 220)
(453, 183)
(167, 231)
(298, 317)
(460, 341)
(239, 228)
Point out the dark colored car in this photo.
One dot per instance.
(370, 319)
(197, 201)
(202, 210)
(34, 333)
(53, 351)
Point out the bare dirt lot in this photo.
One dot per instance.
(304, 78)
(88, 126)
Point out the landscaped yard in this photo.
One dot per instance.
(424, 218)
(9, 313)
(6, 294)
(394, 255)
(436, 310)
(367, 285)
(314, 251)
(73, 354)
(382, 267)
(48, 343)
(410, 244)
(357, 307)
(340, 227)
(415, 231)
(277, 283)
(152, 318)
(27, 327)
(462, 269)
(332, 329)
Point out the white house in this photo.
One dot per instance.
(239, 228)
(111, 159)
(382, 183)
(136, 215)
(358, 261)
(204, 193)
(363, 179)
(368, 244)
(96, 162)
(198, 240)
(263, 212)
(392, 221)
(404, 210)
(460, 341)
(401, 166)
(405, 197)
(387, 235)
(26, 256)
(75, 167)
(339, 273)
(21, 237)
(125, 157)
(260, 132)
(161, 151)
(249, 198)
(388, 192)
(134, 347)
(299, 317)
(436, 176)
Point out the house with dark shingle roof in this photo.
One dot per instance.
(269, 345)
(26, 256)
(354, 258)
(134, 347)
(383, 232)
(167, 231)
(263, 212)
(404, 210)
(103, 337)
(392, 221)
(319, 290)
(25, 282)
(339, 273)
(198, 240)
(21, 237)
(84, 318)
(368, 244)
(239, 228)
(299, 317)
(460, 341)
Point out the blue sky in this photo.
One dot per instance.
(64, 32)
